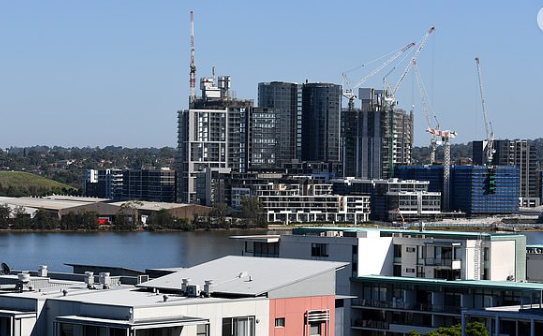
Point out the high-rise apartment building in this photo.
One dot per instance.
(212, 134)
(520, 153)
(321, 108)
(286, 101)
(374, 139)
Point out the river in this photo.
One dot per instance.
(134, 250)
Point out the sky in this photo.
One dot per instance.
(100, 73)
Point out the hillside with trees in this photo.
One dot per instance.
(18, 184)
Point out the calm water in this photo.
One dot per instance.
(135, 250)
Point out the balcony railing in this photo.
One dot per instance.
(370, 324)
(407, 306)
(441, 262)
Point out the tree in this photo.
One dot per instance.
(473, 328)
(252, 211)
(219, 212)
(126, 219)
(161, 219)
(44, 220)
(5, 211)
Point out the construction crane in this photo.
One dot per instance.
(426, 106)
(390, 96)
(437, 137)
(349, 92)
(192, 80)
(489, 148)
(391, 92)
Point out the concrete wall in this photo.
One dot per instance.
(502, 260)
(339, 249)
(534, 267)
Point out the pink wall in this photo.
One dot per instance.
(294, 309)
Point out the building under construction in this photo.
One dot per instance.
(520, 153)
(375, 139)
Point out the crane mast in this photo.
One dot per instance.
(425, 108)
(349, 93)
(390, 98)
(438, 136)
(192, 80)
(489, 148)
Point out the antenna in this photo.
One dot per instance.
(5, 269)
(192, 61)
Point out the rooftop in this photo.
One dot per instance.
(440, 234)
(245, 276)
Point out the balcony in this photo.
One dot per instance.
(363, 323)
(452, 263)
(423, 307)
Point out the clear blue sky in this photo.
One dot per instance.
(98, 73)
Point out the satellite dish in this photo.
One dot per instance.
(5, 269)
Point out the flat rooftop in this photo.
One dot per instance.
(439, 234)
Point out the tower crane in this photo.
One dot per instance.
(489, 148)
(192, 81)
(438, 136)
(391, 92)
(425, 108)
(349, 92)
(390, 96)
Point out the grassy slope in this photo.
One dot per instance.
(25, 180)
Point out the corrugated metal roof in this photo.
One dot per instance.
(154, 206)
(249, 276)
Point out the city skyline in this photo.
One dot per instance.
(115, 74)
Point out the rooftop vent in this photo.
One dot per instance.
(89, 279)
(185, 283)
(24, 277)
(105, 280)
(209, 287)
(42, 271)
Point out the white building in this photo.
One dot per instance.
(228, 296)
(410, 280)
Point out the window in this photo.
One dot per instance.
(280, 322)
(410, 249)
(319, 250)
(409, 270)
(315, 329)
(238, 326)
(202, 330)
(5, 326)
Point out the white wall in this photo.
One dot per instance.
(375, 256)
(502, 260)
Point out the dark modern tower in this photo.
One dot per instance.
(520, 153)
(285, 100)
(321, 108)
(374, 140)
